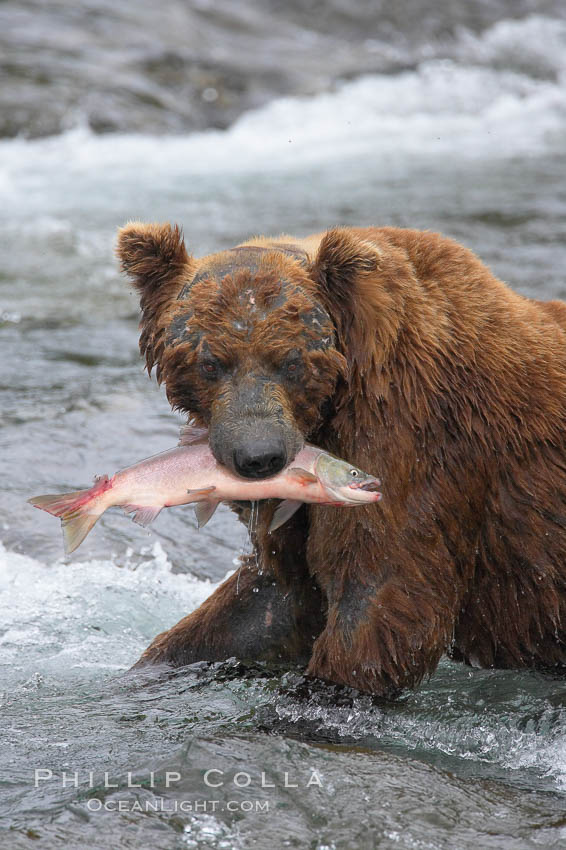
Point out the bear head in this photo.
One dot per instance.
(250, 342)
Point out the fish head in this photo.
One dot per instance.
(344, 482)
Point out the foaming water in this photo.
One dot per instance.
(477, 105)
(533, 46)
(69, 618)
(483, 723)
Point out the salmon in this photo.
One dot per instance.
(189, 473)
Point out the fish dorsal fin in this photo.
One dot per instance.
(191, 434)
(204, 510)
(302, 476)
(283, 512)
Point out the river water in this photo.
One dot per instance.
(465, 133)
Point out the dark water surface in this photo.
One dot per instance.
(471, 142)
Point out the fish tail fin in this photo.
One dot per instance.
(75, 510)
(75, 529)
(59, 504)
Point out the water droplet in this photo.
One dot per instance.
(256, 589)
(209, 95)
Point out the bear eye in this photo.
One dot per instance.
(292, 367)
(354, 473)
(209, 368)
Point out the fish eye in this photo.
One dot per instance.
(354, 473)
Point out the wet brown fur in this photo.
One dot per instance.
(440, 380)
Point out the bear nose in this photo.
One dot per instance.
(260, 459)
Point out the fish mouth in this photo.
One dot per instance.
(344, 496)
(368, 486)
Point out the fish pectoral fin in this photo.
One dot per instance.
(203, 512)
(143, 514)
(201, 494)
(283, 512)
(191, 434)
(302, 476)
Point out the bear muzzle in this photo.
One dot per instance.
(260, 458)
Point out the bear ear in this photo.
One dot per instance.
(341, 269)
(152, 255)
(342, 259)
(155, 258)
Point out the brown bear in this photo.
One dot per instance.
(399, 351)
